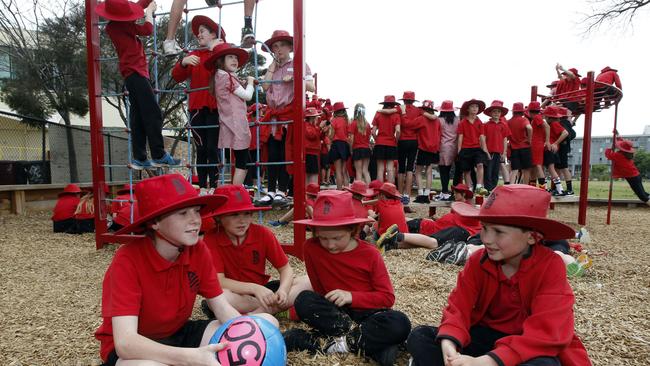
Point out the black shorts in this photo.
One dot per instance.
(63, 226)
(414, 226)
(273, 285)
(324, 161)
(550, 158)
(242, 157)
(563, 156)
(557, 245)
(189, 336)
(383, 152)
(521, 158)
(471, 157)
(406, 151)
(340, 150)
(311, 164)
(361, 153)
(427, 158)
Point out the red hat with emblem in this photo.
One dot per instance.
(361, 188)
(427, 105)
(333, 208)
(237, 200)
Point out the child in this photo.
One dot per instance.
(428, 134)
(512, 304)
(313, 131)
(360, 191)
(389, 209)
(407, 146)
(66, 205)
(202, 104)
(562, 166)
(231, 96)
(311, 191)
(84, 215)
(240, 250)
(623, 167)
(340, 149)
(539, 142)
(352, 293)
(520, 141)
(448, 147)
(472, 150)
(360, 131)
(557, 134)
(386, 130)
(145, 114)
(150, 287)
(497, 145)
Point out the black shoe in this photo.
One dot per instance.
(442, 252)
(301, 340)
(421, 199)
(570, 193)
(408, 209)
(387, 356)
(206, 310)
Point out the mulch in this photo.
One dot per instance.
(50, 290)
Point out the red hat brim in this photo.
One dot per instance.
(65, 193)
(209, 203)
(624, 148)
(242, 57)
(489, 110)
(412, 100)
(551, 229)
(136, 13)
(224, 210)
(481, 106)
(368, 193)
(332, 223)
(269, 42)
(202, 20)
(428, 109)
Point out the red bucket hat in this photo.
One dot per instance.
(70, 189)
(237, 200)
(311, 190)
(338, 106)
(447, 106)
(427, 105)
(518, 205)
(465, 106)
(375, 185)
(278, 35)
(333, 208)
(312, 112)
(534, 106)
(225, 49)
(166, 193)
(202, 20)
(360, 187)
(574, 71)
(390, 190)
(389, 99)
(496, 104)
(409, 95)
(518, 108)
(463, 188)
(553, 84)
(553, 112)
(607, 68)
(625, 146)
(119, 10)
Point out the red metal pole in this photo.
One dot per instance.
(533, 93)
(611, 169)
(586, 150)
(316, 83)
(96, 125)
(298, 127)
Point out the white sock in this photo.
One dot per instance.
(420, 191)
(427, 192)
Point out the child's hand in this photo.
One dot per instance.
(448, 351)
(281, 298)
(152, 7)
(265, 296)
(250, 80)
(273, 66)
(193, 60)
(463, 360)
(553, 147)
(287, 78)
(206, 355)
(339, 297)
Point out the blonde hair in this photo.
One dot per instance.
(85, 204)
(360, 118)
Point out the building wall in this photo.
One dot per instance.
(598, 146)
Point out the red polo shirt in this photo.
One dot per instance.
(493, 136)
(409, 128)
(471, 133)
(361, 140)
(428, 134)
(391, 212)
(556, 131)
(385, 124)
(506, 313)
(128, 46)
(246, 262)
(360, 210)
(517, 125)
(65, 207)
(567, 85)
(361, 271)
(139, 282)
(610, 77)
(539, 132)
(340, 126)
(312, 136)
(622, 167)
(199, 78)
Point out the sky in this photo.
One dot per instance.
(457, 50)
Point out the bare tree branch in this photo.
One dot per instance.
(612, 13)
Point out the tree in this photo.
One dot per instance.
(642, 162)
(49, 62)
(609, 12)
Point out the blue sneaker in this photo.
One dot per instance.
(166, 160)
(139, 165)
(277, 223)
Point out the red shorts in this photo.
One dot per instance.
(537, 152)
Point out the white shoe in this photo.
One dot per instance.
(339, 345)
(171, 48)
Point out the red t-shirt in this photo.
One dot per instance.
(385, 124)
(324, 145)
(493, 137)
(361, 140)
(116, 206)
(65, 207)
(518, 138)
(622, 167)
(556, 131)
(360, 210)
(428, 227)
(539, 132)
(409, 128)
(340, 126)
(391, 212)
(128, 46)
(361, 271)
(199, 78)
(471, 133)
(85, 211)
(567, 85)
(312, 136)
(428, 134)
(610, 77)
(139, 282)
(246, 262)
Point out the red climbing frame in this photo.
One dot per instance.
(102, 237)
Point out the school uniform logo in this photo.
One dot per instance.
(178, 186)
(193, 280)
(256, 257)
(238, 196)
(490, 200)
(327, 206)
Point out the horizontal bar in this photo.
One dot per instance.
(271, 123)
(189, 127)
(116, 200)
(111, 94)
(270, 163)
(270, 81)
(201, 8)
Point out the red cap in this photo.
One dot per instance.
(119, 10)
(333, 208)
(360, 187)
(463, 188)
(375, 185)
(237, 200)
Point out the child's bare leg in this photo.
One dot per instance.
(390, 169)
(243, 303)
(479, 174)
(380, 169)
(417, 241)
(358, 169)
(300, 284)
(566, 258)
(239, 176)
(175, 14)
(366, 172)
(429, 177)
(338, 168)
(418, 177)
(468, 178)
(287, 216)
(312, 178)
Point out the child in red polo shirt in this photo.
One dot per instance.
(496, 142)
(340, 149)
(66, 205)
(360, 132)
(472, 150)
(240, 250)
(428, 134)
(407, 146)
(149, 289)
(520, 144)
(352, 293)
(202, 104)
(512, 304)
(84, 215)
(386, 130)
(313, 130)
(552, 114)
(539, 142)
(145, 115)
(623, 167)
(389, 210)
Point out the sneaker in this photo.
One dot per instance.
(569, 193)
(139, 164)
(387, 356)
(406, 200)
(583, 236)
(459, 255)
(165, 161)
(297, 339)
(280, 200)
(555, 193)
(171, 47)
(421, 199)
(264, 201)
(481, 191)
(277, 223)
(439, 254)
(388, 240)
(337, 345)
(211, 2)
(206, 310)
(247, 37)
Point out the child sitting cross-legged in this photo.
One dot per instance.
(512, 304)
(352, 293)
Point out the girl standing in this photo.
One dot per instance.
(340, 149)
(360, 131)
(448, 146)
